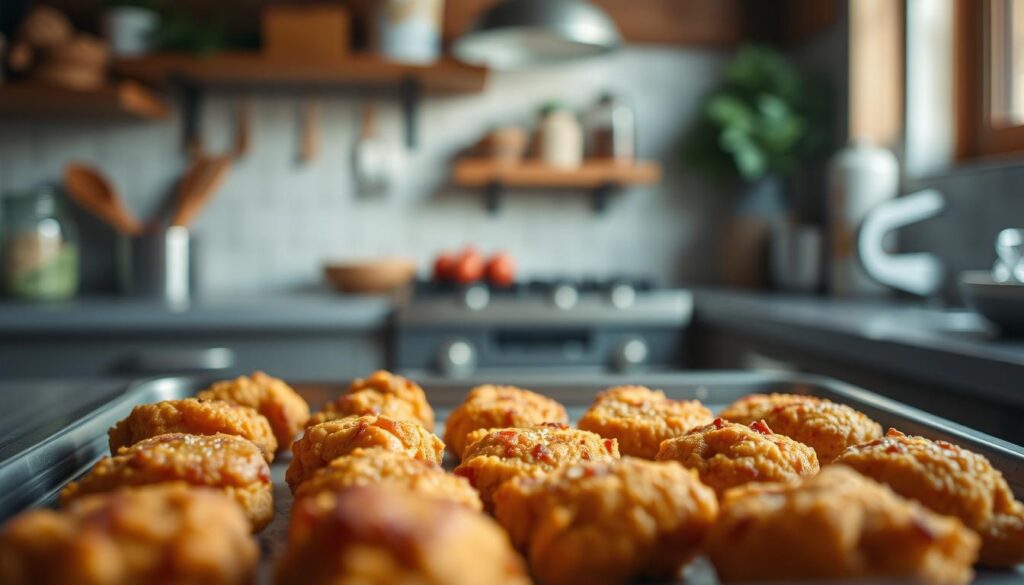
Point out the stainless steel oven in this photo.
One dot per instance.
(583, 326)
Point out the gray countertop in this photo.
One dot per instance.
(931, 345)
(942, 346)
(313, 311)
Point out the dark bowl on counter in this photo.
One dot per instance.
(1002, 303)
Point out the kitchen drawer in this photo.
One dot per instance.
(296, 356)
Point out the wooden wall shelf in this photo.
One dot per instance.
(445, 76)
(256, 69)
(123, 100)
(601, 177)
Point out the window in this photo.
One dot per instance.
(990, 77)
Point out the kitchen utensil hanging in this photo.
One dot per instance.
(371, 157)
(309, 145)
(243, 129)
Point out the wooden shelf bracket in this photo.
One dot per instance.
(600, 196)
(600, 178)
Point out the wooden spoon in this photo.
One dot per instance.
(185, 187)
(91, 190)
(203, 179)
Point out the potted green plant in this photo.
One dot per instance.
(761, 122)
(764, 120)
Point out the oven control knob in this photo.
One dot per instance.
(476, 297)
(565, 296)
(622, 295)
(457, 358)
(630, 354)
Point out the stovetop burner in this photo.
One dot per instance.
(430, 288)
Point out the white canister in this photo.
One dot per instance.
(410, 30)
(861, 176)
(560, 138)
(130, 30)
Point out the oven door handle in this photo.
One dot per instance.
(210, 359)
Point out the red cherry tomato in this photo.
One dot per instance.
(469, 267)
(444, 267)
(501, 269)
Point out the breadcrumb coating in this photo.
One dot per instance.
(641, 418)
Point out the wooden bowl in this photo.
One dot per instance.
(376, 276)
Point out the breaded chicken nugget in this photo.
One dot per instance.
(388, 468)
(727, 455)
(641, 418)
(227, 463)
(825, 426)
(367, 535)
(949, 480)
(381, 393)
(499, 407)
(328, 441)
(495, 456)
(166, 534)
(195, 417)
(836, 525)
(286, 411)
(609, 522)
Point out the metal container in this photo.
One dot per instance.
(34, 476)
(158, 265)
(796, 257)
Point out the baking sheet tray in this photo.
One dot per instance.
(34, 476)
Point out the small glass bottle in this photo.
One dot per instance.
(611, 130)
(40, 247)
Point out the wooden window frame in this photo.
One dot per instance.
(976, 136)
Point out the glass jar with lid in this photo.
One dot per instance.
(40, 246)
(611, 130)
(559, 137)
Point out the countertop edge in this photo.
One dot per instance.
(986, 367)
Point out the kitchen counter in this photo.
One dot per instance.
(941, 346)
(312, 311)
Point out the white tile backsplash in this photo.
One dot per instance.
(276, 220)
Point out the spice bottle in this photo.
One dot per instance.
(611, 130)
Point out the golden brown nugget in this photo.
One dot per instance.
(950, 480)
(365, 403)
(327, 441)
(499, 407)
(380, 393)
(195, 417)
(827, 427)
(641, 418)
(227, 463)
(498, 455)
(387, 468)
(837, 525)
(286, 411)
(168, 534)
(755, 407)
(727, 455)
(607, 523)
(365, 535)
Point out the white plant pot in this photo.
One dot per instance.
(410, 30)
(130, 30)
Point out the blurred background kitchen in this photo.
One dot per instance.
(456, 187)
